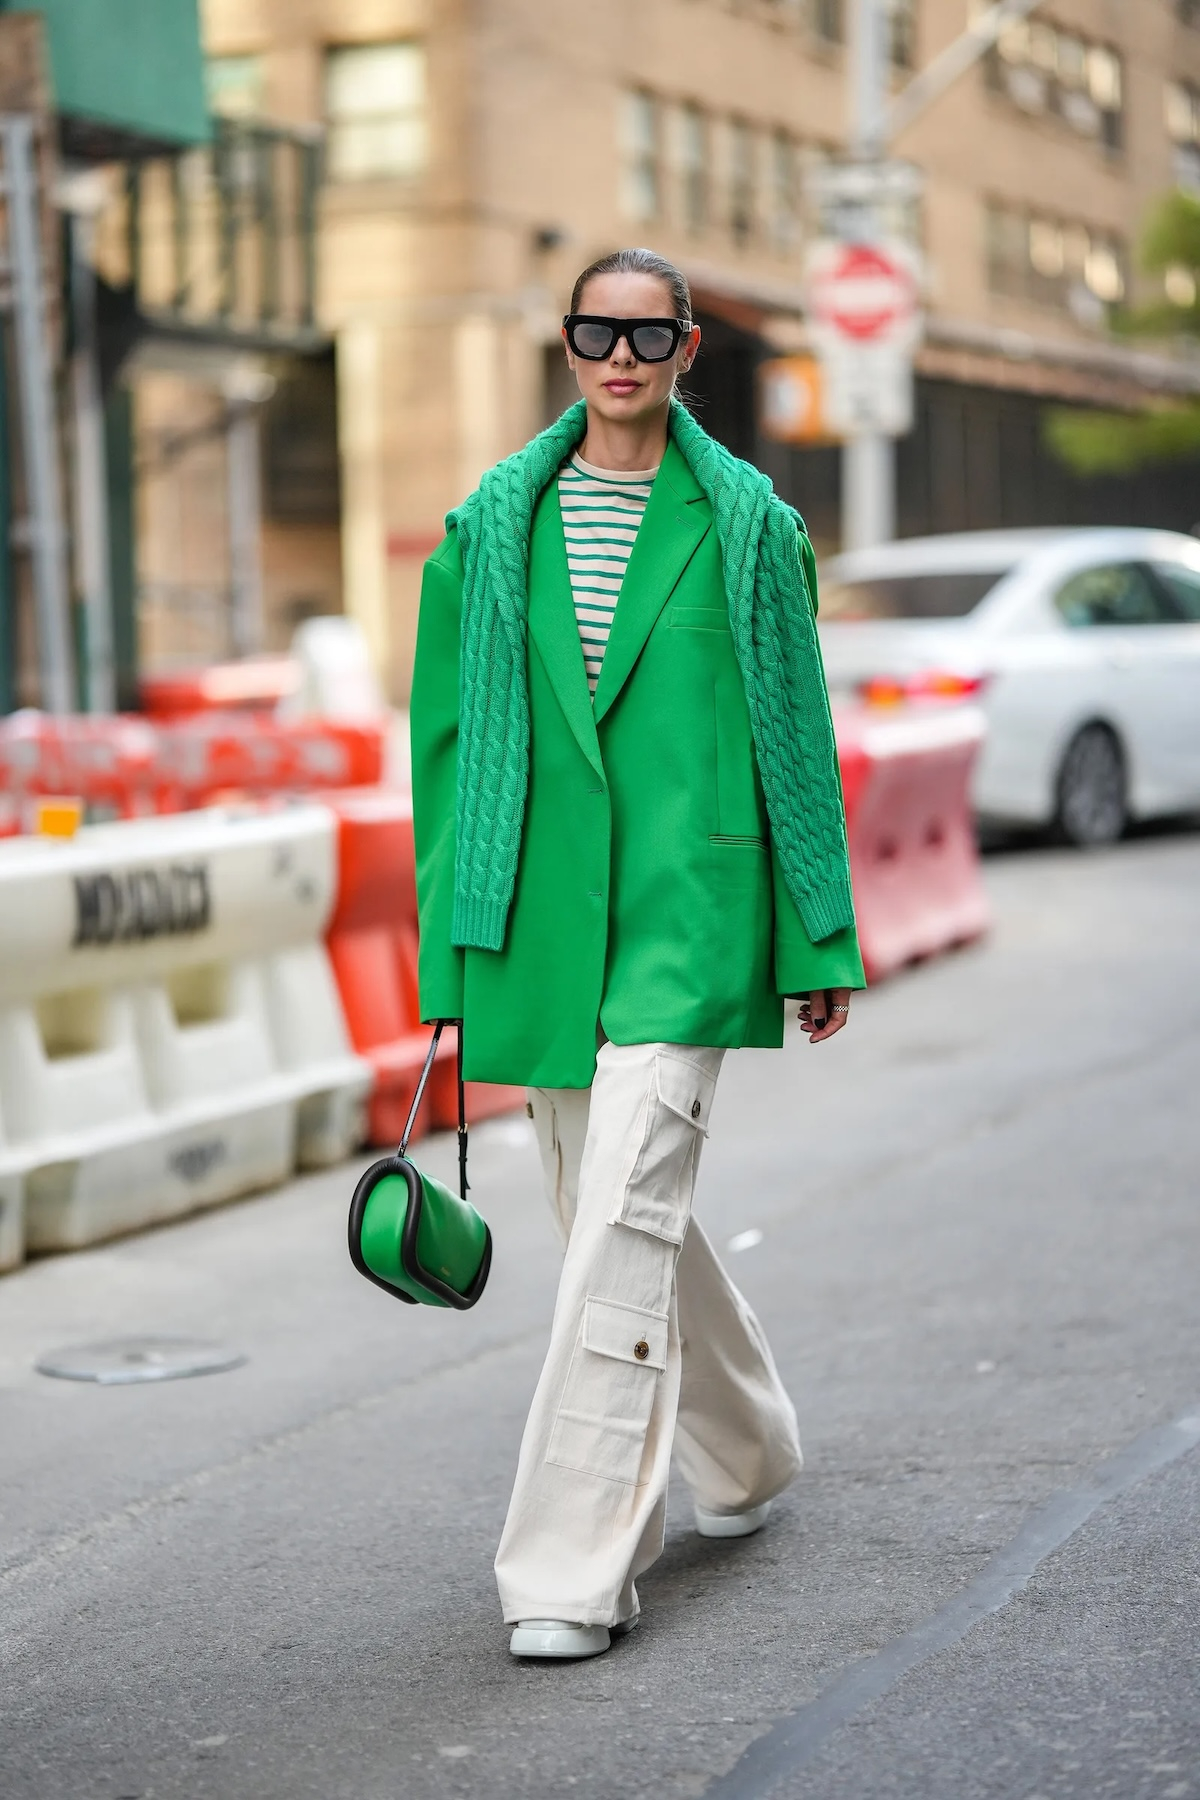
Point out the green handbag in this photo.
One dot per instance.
(408, 1233)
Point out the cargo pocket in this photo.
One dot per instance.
(604, 1414)
(656, 1194)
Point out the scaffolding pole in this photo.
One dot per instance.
(91, 475)
(35, 383)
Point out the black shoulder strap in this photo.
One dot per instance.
(463, 1183)
(434, 1041)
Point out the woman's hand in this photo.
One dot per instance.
(824, 1012)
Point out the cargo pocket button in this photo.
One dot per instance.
(695, 1109)
(641, 1349)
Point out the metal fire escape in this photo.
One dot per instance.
(205, 250)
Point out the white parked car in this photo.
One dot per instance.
(1082, 646)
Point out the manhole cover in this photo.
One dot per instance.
(123, 1360)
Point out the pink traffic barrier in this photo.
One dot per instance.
(918, 886)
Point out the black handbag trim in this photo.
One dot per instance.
(410, 1260)
(389, 1165)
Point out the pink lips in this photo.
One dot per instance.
(622, 387)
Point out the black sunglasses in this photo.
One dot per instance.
(594, 337)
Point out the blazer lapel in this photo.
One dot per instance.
(553, 626)
(672, 527)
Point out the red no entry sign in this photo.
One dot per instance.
(862, 292)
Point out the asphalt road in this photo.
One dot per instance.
(978, 1268)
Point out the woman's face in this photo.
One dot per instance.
(620, 388)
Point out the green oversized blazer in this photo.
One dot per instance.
(648, 898)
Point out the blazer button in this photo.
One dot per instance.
(641, 1349)
(695, 1109)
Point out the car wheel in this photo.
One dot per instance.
(1092, 807)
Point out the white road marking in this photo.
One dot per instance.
(745, 1240)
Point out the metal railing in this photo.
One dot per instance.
(224, 236)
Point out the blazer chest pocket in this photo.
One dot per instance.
(698, 618)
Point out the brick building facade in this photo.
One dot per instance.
(478, 152)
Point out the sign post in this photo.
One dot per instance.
(868, 373)
(862, 285)
(863, 304)
(868, 460)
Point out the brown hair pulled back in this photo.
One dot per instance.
(639, 262)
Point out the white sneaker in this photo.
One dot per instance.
(560, 1639)
(732, 1525)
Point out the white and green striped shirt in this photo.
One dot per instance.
(601, 512)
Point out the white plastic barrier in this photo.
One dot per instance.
(337, 678)
(170, 1030)
(12, 1211)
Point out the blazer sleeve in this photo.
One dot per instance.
(800, 965)
(433, 726)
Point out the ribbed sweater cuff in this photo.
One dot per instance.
(478, 923)
(827, 909)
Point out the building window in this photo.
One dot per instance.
(902, 33)
(1044, 70)
(694, 166)
(1182, 109)
(375, 108)
(786, 192)
(741, 181)
(828, 21)
(236, 86)
(641, 196)
(1033, 256)
(1007, 252)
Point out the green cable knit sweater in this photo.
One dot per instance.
(763, 542)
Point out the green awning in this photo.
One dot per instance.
(125, 73)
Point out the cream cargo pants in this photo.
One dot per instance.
(651, 1345)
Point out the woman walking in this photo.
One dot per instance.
(630, 849)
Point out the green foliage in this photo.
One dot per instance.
(1172, 234)
(1113, 443)
(1162, 320)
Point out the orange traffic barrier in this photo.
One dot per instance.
(257, 683)
(918, 887)
(223, 752)
(130, 767)
(107, 762)
(372, 940)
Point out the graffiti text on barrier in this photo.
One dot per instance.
(141, 903)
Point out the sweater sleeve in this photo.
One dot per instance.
(800, 964)
(434, 737)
